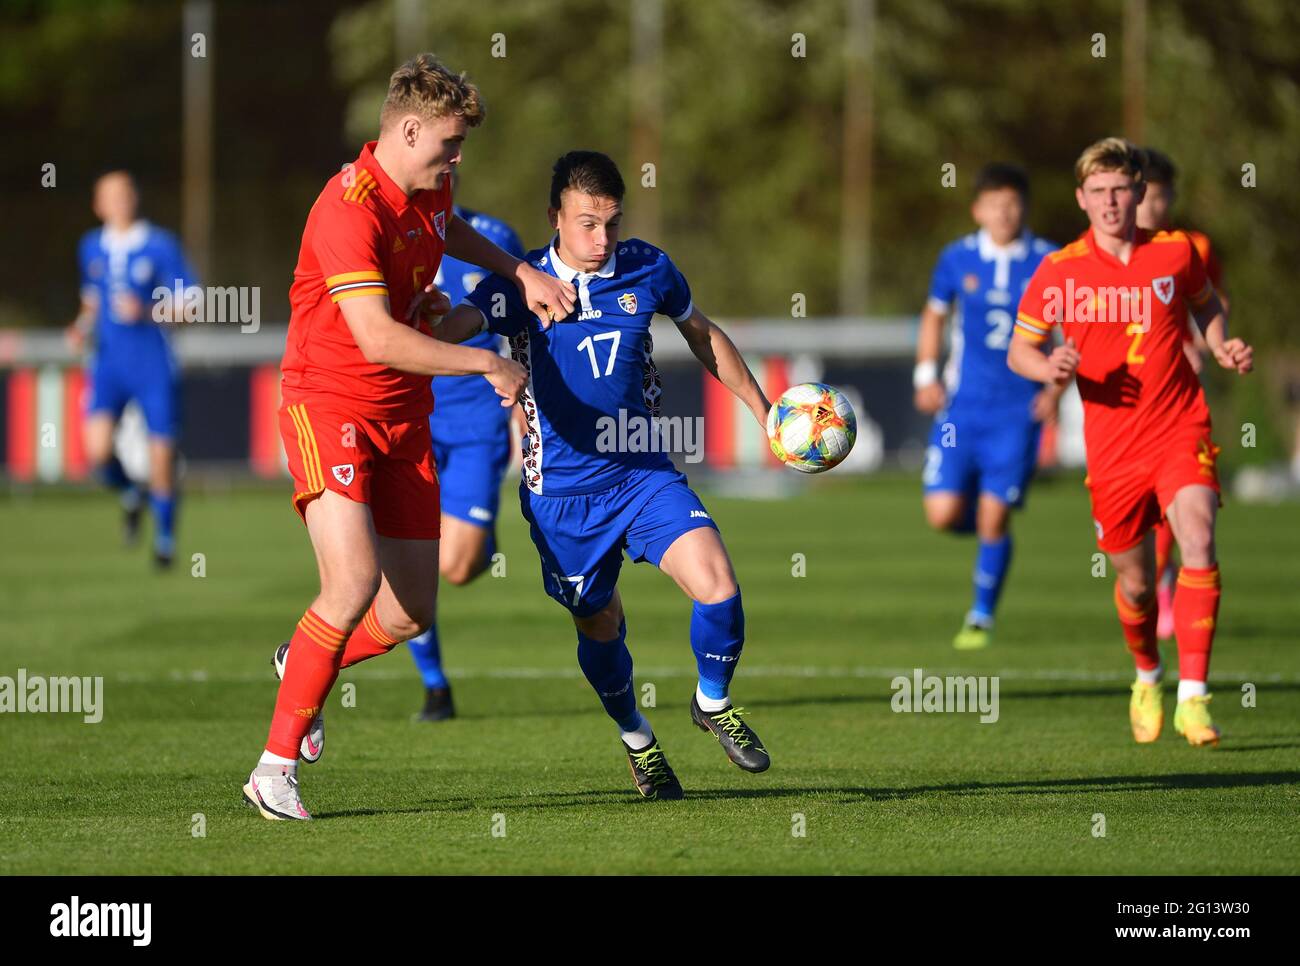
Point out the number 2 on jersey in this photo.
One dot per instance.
(1137, 330)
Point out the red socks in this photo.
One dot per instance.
(1139, 626)
(1196, 611)
(315, 650)
(368, 640)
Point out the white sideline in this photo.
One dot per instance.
(408, 672)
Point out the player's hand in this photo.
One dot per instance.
(545, 295)
(1046, 405)
(1236, 355)
(74, 338)
(508, 378)
(930, 398)
(427, 307)
(1062, 363)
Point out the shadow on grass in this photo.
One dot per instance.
(849, 795)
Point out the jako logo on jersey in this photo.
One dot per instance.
(627, 302)
(589, 314)
(1164, 286)
(440, 224)
(700, 514)
(343, 473)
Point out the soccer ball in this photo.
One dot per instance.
(812, 427)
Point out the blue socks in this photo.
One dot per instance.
(163, 509)
(717, 637)
(608, 667)
(991, 564)
(428, 658)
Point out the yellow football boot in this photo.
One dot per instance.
(1145, 712)
(1192, 721)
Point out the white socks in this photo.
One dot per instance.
(1153, 676)
(710, 704)
(641, 737)
(271, 759)
(1190, 689)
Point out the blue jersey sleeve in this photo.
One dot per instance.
(499, 301)
(85, 252)
(943, 283)
(672, 291)
(172, 263)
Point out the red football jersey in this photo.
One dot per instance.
(1127, 322)
(364, 236)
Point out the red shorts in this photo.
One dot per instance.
(1125, 507)
(385, 464)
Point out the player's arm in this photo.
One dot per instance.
(1036, 317)
(1212, 320)
(929, 396)
(718, 354)
(463, 322)
(545, 295)
(386, 342)
(1025, 358)
(82, 327)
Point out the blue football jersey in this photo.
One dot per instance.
(136, 261)
(592, 378)
(983, 284)
(466, 408)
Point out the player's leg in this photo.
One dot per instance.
(1135, 587)
(948, 478)
(1167, 575)
(469, 477)
(104, 406)
(673, 531)
(1191, 515)
(607, 665)
(1006, 453)
(158, 392)
(347, 557)
(404, 498)
(579, 540)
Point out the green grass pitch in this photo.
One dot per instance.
(188, 692)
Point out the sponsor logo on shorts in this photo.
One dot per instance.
(344, 473)
(480, 513)
(1100, 533)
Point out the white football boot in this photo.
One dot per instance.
(273, 791)
(313, 742)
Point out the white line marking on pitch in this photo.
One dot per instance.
(200, 676)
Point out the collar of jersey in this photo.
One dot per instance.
(125, 241)
(394, 195)
(989, 252)
(566, 274)
(1140, 237)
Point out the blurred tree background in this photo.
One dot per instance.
(749, 189)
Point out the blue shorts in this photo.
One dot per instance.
(155, 387)
(581, 538)
(974, 453)
(470, 477)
